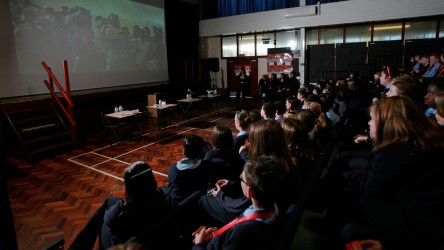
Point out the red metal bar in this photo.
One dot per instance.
(65, 71)
(65, 93)
(55, 97)
(51, 76)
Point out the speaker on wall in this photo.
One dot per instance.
(213, 64)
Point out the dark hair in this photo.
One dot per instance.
(193, 146)
(265, 177)
(313, 98)
(327, 102)
(307, 118)
(222, 137)
(269, 109)
(302, 92)
(280, 107)
(140, 184)
(293, 102)
(255, 116)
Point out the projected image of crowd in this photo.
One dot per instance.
(89, 43)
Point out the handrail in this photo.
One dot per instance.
(66, 94)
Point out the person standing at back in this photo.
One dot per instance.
(263, 85)
(243, 84)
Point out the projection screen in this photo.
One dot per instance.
(107, 43)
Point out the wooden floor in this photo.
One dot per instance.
(54, 197)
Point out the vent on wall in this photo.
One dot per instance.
(311, 10)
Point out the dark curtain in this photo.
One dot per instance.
(237, 7)
(382, 53)
(314, 2)
(321, 61)
(350, 53)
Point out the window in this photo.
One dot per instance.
(311, 36)
(229, 46)
(441, 25)
(332, 35)
(420, 29)
(246, 45)
(356, 34)
(263, 42)
(387, 32)
(286, 39)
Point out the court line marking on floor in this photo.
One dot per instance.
(97, 170)
(72, 159)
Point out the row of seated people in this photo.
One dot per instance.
(293, 145)
(427, 67)
(389, 189)
(278, 87)
(219, 168)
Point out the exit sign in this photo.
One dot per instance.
(266, 42)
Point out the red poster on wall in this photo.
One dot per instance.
(279, 63)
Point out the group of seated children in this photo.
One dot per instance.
(395, 199)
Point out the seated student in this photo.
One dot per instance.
(439, 112)
(255, 228)
(303, 155)
(292, 106)
(429, 99)
(440, 73)
(191, 173)
(280, 110)
(401, 191)
(308, 120)
(268, 111)
(255, 116)
(433, 69)
(327, 102)
(388, 73)
(224, 153)
(117, 220)
(266, 138)
(242, 121)
(302, 94)
(322, 127)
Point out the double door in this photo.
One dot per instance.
(234, 66)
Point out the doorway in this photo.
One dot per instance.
(234, 66)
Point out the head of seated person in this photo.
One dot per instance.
(242, 120)
(142, 206)
(261, 181)
(222, 137)
(140, 185)
(194, 147)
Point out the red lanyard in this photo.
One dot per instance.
(242, 219)
(441, 70)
